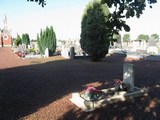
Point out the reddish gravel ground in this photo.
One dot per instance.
(39, 89)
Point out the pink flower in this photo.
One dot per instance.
(91, 89)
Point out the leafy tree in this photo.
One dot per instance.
(128, 4)
(126, 37)
(125, 9)
(122, 9)
(116, 38)
(25, 39)
(18, 40)
(143, 37)
(47, 39)
(95, 35)
(40, 2)
(155, 37)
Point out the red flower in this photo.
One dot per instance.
(91, 89)
(117, 82)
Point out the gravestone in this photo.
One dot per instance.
(128, 75)
(152, 47)
(65, 51)
(72, 53)
(105, 99)
(47, 53)
(29, 46)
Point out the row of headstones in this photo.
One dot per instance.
(150, 48)
(67, 53)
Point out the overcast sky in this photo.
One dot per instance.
(65, 17)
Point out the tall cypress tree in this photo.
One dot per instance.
(18, 40)
(94, 32)
(47, 39)
(52, 40)
(25, 39)
(39, 44)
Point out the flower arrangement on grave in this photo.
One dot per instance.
(121, 86)
(91, 93)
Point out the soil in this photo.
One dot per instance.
(40, 89)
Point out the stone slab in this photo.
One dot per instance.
(106, 100)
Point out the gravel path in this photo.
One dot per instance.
(39, 89)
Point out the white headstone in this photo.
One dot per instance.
(65, 51)
(29, 46)
(47, 53)
(128, 75)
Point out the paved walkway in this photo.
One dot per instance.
(8, 59)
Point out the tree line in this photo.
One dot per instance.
(155, 36)
(46, 39)
(24, 39)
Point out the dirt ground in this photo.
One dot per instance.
(39, 89)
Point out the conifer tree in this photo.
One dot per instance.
(47, 39)
(18, 40)
(25, 39)
(39, 44)
(95, 36)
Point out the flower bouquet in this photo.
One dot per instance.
(91, 93)
(121, 86)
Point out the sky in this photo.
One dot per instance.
(65, 17)
(148, 23)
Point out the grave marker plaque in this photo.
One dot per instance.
(47, 52)
(128, 75)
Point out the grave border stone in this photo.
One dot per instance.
(118, 96)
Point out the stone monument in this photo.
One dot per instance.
(152, 47)
(128, 75)
(72, 52)
(47, 53)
